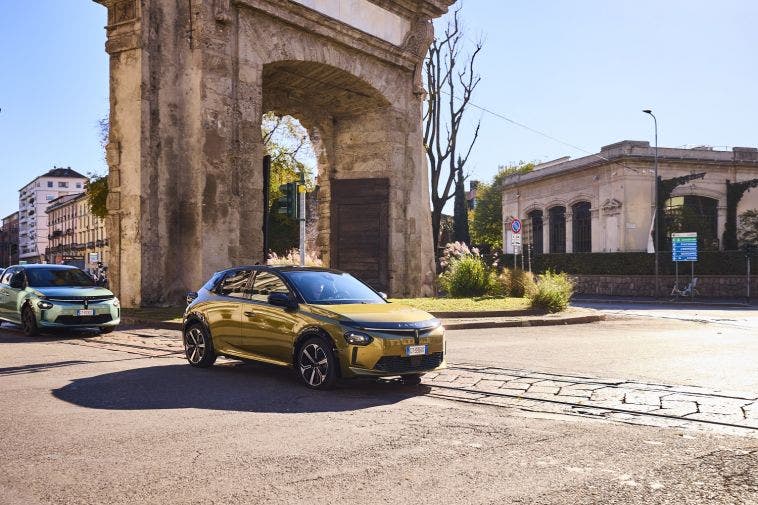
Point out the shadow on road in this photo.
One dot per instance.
(13, 334)
(243, 387)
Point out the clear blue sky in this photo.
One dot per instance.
(579, 71)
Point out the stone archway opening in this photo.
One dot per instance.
(347, 121)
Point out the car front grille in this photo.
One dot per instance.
(400, 364)
(97, 319)
(80, 299)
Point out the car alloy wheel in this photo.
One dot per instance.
(29, 322)
(198, 348)
(316, 364)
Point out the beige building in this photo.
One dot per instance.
(77, 237)
(33, 199)
(604, 202)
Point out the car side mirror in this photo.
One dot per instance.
(190, 296)
(17, 281)
(281, 300)
(383, 294)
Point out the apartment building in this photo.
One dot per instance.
(77, 237)
(9, 241)
(34, 198)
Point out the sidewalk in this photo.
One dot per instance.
(682, 302)
(170, 318)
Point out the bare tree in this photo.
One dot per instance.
(449, 85)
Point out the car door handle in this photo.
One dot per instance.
(249, 313)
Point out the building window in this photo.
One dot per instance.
(557, 229)
(581, 227)
(48, 197)
(692, 213)
(534, 222)
(49, 184)
(62, 184)
(78, 185)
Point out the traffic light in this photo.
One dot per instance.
(288, 202)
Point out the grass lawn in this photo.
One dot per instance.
(464, 304)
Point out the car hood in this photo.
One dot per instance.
(369, 313)
(63, 291)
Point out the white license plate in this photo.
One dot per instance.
(415, 350)
(85, 312)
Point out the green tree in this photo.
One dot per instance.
(288, 144)
(97, 195)
(487, 219)
(747, 233)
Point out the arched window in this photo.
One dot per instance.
(557, 229)
(581, 227)
(692, 213)
(534, 221)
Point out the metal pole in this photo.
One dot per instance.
(301, 215)
(692, 279)
(266, 195)
(656, 215)
(748, 277)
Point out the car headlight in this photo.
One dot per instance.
(357, 338)
(44, 305)
(116, 303)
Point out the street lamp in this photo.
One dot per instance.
(655, 199)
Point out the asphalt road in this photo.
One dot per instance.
(120, 419)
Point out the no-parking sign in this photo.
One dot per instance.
(516, 226)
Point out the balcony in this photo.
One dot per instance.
(90, 245)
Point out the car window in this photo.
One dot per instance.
(52, 277)
(213, 281)
(6, 278)
(235, 284)
(265, 284)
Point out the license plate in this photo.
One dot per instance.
(415, 350)
(85, 312)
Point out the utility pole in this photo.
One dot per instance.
(301, 216)
(656, 217)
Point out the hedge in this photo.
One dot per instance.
(635, 263)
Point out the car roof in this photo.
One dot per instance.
(34, 266)
(284, 268)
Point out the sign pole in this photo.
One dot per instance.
(301, 215)
(692, 279)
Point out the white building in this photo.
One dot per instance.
(33, 199)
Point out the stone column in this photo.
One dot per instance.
(569, 230)
(721, 222)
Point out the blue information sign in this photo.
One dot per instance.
(684, 246)
(516, 226)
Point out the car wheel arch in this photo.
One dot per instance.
(313, 331)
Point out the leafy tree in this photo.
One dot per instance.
(487, 222)
(747, 234)
(97, 195)
(288, 144)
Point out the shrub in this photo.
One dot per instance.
(521, 283)
(466, 276)
(500, 284)
(293, 258)
(553, 292)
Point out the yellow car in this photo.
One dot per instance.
(324, 323)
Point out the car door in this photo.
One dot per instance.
(14, 293)
(5, 292)
(268, 331)
(224, 312)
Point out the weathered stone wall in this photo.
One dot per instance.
(727, 286)
(190, 81)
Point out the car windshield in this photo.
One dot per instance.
(330, 288)
(54, 277)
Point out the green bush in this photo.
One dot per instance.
(500, 284)
(466, 276)
(553, 292)
(521, 283)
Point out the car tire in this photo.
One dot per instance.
(411, 380)
(29, 322)
(106, 329)
(198, 346)
(316, 364)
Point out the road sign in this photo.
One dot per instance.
(516, 226)
(684, 246)
(516, 240)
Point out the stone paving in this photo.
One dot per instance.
(636, 402)
(685, 407)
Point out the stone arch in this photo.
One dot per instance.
(188, 90)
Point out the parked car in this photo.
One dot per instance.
(43, 296)
(326, 324)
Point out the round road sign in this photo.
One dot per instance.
(516, 226)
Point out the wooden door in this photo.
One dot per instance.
(360, 229)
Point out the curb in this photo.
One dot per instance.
(475, 325)
(448, 322)
(607, 301)
(487, 313)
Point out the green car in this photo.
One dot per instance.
(40, 297)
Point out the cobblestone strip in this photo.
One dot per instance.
(636, 402)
